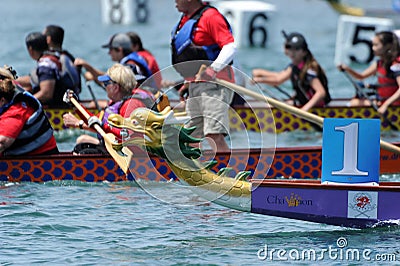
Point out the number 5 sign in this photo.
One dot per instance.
(350, 150)
(354, 38)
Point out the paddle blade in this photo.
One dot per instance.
(123, 156)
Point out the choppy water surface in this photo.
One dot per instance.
(103, 224)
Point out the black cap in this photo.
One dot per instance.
(295, 40)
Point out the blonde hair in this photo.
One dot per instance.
(124, 76)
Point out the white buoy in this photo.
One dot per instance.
(251, 21)
(354, 38)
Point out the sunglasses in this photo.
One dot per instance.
(289, 47)
(108, 82)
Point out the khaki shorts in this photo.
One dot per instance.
(208, 107)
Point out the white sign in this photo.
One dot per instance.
(354, 38)
(251, 21)
(362, 204)
(124, 11)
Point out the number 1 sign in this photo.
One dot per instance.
(350, 150)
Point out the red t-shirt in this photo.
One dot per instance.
(212, 29)
(13, 120)
(153, 66)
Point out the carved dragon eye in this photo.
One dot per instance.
(135, 122)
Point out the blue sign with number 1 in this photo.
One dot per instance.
(350, 150)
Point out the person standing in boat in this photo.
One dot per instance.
(55, 38)
(45, 81)
(120, 49)
(24, 126)
(203, 36)
(308, 78)
(119, 82)
(385, 46)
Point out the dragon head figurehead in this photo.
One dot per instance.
(161, 133)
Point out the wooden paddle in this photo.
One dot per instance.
(364, 95)
(123, 157)
(291, 109)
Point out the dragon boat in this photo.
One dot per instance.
(345, 204)
(255, 117)
(281, 163)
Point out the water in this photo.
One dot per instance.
(66, 223)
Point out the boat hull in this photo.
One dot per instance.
(299, 163)
(102, 168)
(356, 206)
(258, 119)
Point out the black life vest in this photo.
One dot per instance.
(304, 91)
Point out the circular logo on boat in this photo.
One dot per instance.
(363, 202)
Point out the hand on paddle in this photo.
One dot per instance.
(184, 91)
(68, 95)
(207, 74)
(93, 120)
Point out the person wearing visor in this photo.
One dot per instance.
(119, 82)
(120, 49)
(308, 79)
(24, 126)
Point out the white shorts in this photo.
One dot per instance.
(208, 106)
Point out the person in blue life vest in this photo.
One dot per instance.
(69, 72)
(125, 97)
(120, 49)
(203, 33)
(24, 126)
(308, 78)
(45, 81)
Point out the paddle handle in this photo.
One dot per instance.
(291, 109)
(280, 105)
(85, 114)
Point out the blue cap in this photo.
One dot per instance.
(104, 78)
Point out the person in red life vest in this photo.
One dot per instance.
(308, 79)
(203, 36)
(137, 46)
(119, 82)
(45, 81)
(385, 46)
(24, 126)
(120, 49)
